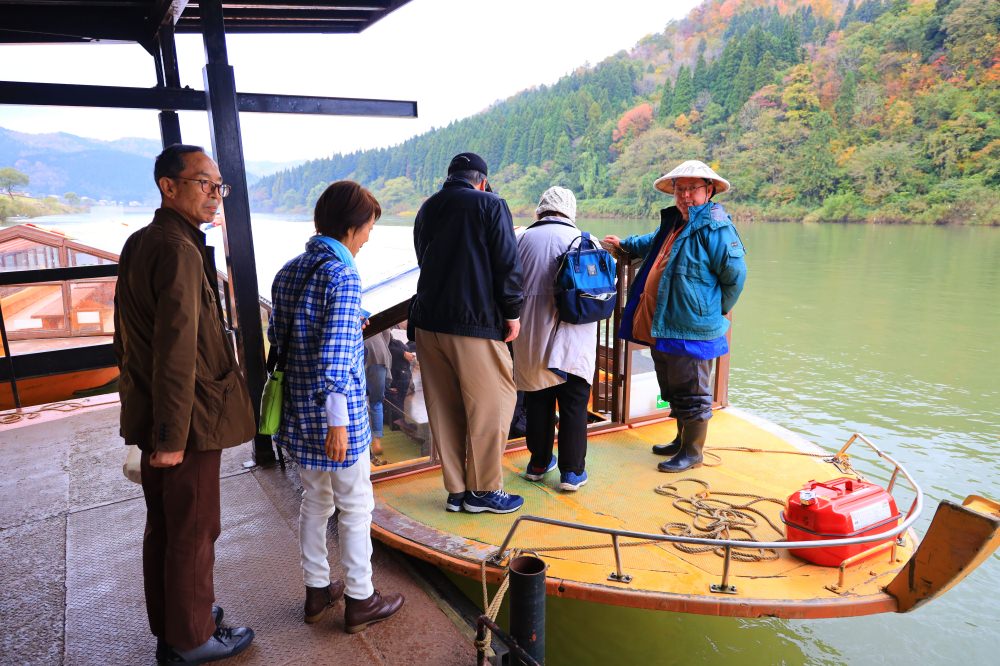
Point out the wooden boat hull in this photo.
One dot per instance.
(56, 388)
(410, 516)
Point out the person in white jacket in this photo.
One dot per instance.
(553, 361)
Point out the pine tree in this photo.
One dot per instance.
(701, 80)
(683, 92)
(764, 74)
(666, 99)
(848, 15)
(742, 86)
(844, 106)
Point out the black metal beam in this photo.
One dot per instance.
(58, 274)
(267, 14)
(100, 22)
(7, 37)
(58, 361)
(168, 75)
(369, 6)
(275, 28)
(187, 99)
(227, 146)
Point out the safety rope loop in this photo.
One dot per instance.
(491, 608)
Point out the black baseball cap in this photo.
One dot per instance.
(467, 162)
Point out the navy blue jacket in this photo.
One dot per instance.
(470, 272)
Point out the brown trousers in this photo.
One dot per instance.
(469, 393)
(178, 547)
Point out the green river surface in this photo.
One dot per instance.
(890, 331)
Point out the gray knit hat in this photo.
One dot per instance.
(557, 200)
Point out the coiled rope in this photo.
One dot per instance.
(714, 518)
(20, 414)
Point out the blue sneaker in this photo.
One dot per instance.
(454, 501)
(532, 473)
(572, 481)
(494, 501)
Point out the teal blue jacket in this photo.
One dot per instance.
(702, 280)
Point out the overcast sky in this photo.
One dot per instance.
(453, 57)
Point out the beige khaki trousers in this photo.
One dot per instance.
(470, 396)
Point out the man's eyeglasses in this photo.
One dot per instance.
(208, 186)
(687, 190)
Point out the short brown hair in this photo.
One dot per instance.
(343, 206)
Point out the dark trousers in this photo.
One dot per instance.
(178, 547)
(686, 383)
(540, 410)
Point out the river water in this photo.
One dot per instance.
(890, 331)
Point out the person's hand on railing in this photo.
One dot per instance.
(613, 244)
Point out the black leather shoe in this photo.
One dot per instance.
(225, 642)
(163, 650)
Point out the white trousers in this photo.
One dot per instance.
(350, 490)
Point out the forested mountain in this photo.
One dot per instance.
(119, 170)
(878, 110)
(60, 163)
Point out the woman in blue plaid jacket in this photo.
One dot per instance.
(324, 420)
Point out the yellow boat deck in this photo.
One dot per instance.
(621, 493)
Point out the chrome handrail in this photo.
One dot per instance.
(728, 544)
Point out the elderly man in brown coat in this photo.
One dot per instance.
(183, 400)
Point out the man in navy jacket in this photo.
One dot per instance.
(466, 309)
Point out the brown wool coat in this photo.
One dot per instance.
(180, 386)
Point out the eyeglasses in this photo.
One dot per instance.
(688, 190)
(208, 186)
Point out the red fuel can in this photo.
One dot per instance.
(839, 508)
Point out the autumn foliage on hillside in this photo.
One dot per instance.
(828, 110)
(632, 122)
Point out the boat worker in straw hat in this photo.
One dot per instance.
(692, 274)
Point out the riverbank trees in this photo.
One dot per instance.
(819, 110)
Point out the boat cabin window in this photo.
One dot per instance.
(406, 434)
(79, 258)
(39, 315)
(644, 399)
(22, 254)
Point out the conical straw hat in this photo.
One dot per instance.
(691, 169)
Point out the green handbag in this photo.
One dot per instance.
(270, 403)
(274, 388)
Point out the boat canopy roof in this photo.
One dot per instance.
(54, 21)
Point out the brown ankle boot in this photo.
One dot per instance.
(318, 599)
(359, 613)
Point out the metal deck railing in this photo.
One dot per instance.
(840, 459)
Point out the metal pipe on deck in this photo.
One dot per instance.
(527, 606)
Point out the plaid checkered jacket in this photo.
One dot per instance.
(326, 355)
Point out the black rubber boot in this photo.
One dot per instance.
(674, 447)
(693, 443)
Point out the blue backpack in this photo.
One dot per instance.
(585, 280)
